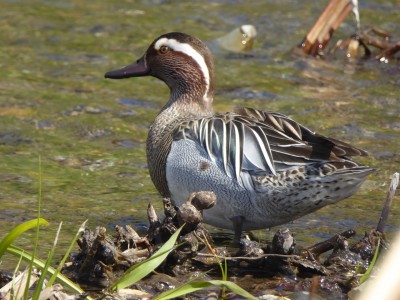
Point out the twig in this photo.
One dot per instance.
(204, 240)
(329, 244)
(329, 20)
(249, 258)
(389, 199)
(389, 52)
(381, 33)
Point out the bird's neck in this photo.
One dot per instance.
(161, 132)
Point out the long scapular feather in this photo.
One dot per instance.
(263, 145)
(236, 147)
(226, 133)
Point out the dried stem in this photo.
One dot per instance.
(329, 20)
(389, 199)
(330, 244)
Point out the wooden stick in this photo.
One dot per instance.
(329, 244)
(389, 199)
(329, 20)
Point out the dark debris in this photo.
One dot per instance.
(102, 258)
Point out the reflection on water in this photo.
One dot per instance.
(90, 132)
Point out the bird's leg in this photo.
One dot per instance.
(237, 228)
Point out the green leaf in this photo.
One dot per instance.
(13, 292)
(39, 285)
(371, 265)
(36, 241)
(142, 269)
(17, 231)
(197, 285)
(41, 264)
(66, 255)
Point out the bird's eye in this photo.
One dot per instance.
(164, 49)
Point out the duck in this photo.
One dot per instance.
(264, 168)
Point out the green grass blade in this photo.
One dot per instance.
(225, 277)
(371, 265)
(36, 242)
(17, 231)
(197, 285)
(142, 269)
(39, 285)
(40, 264)
(66, 255)
(12, 292)
(233, 287)
(184, 289)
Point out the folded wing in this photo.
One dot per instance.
(252, 142)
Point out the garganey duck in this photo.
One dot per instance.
(264, 168)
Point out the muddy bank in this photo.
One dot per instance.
(187, 255)
(328, 269)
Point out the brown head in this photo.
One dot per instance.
(183, 62)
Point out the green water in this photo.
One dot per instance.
(90, 132)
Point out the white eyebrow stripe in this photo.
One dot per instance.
(188, 50)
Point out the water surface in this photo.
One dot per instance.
(90, 132)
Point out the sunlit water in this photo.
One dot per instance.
(90, 132)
